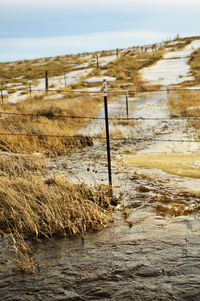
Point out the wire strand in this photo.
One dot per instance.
(101, 138)
(109, 91)
(50, 115)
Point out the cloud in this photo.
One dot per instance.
(24, 48)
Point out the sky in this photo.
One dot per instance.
(42, 28)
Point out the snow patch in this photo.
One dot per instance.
(173, 69)
(100, 79)
(59, 81)
(106, 60)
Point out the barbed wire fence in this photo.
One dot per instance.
(106, 118)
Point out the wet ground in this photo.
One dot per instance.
(155, 259)
(150, 252)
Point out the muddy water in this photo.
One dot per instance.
(146, 254)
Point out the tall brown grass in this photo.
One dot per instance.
(57, 118)
(33, 205)
(186, 104)
(43, 208)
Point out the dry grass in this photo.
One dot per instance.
(24, 71)
(180, 103)
(14, 166)
(32, 207)
(38, 208)
(186, 104)
(126, 68)
(48, 123)
(121, 128)
(181, 43)
(195, 66)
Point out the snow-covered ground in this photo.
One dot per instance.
(16, 97)
(175, 43)
(172, 69)
(100, 79)
(84, 65)
(103, 61)
(59, 81)
(92, 89)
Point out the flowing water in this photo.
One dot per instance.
(152, 249)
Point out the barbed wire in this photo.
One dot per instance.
(51, 115)
(119, 138)
(167, 90)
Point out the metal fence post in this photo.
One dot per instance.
(46, 81)
(2, 100)
(127, 104)
(65, 80)
(97, 61)
(30, 90)
(117, 52)
(107, 133)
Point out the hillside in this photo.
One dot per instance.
(54, 175)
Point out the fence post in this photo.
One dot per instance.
(127, 104)
(65, 80)
(2, 100)
(30, 90)
(97, 61)
(107, 133)
(117, 52)
(46, 81)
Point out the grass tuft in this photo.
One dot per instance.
(35, 208)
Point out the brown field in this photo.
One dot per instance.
(45, 121)
(186, 104)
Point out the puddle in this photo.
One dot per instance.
(180, 164)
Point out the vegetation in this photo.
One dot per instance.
(195, 66)
(39, 208)
(35, 206)
(126, 69)
(24, 71)
(50, 118)
(186, 104)
(180, 43)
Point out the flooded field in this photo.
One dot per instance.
(152, 249)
